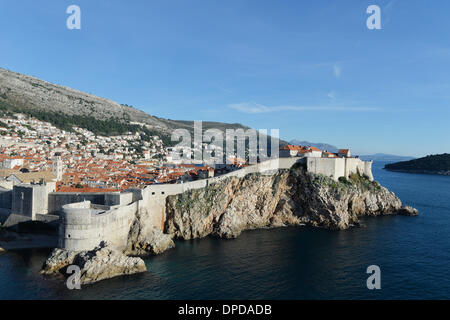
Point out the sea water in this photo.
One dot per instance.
(413, 254)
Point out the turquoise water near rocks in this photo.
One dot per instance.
(287, 263)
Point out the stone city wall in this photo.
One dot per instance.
(85, 224)
(339, 167)
(56, 200)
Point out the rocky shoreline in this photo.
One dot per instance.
(225, 209)
(105, 261)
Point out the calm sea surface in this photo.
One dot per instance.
(288, 263)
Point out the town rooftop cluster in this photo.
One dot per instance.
(33, 151)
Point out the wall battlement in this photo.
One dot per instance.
(339, 167)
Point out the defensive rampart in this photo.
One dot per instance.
(85, 224)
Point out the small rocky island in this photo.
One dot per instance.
(103, 262)
(432, 164)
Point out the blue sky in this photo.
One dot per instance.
(310, 68)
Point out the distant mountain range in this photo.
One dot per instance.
(385, 157)
(321, 146)
(334, 149)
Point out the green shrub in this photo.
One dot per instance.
(343, 180)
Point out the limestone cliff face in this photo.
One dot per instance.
(145, 237)
(290, 197)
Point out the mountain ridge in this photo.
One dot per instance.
(33, 96)
(23, 91)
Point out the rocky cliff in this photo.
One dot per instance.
(290, 197)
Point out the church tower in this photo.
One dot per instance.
(57, 166)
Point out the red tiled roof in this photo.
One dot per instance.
(84, 189)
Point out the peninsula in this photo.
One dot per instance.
(432, 164)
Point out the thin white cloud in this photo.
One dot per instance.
(253, 108)
(331, 95)
(337, 71)
(250, 107)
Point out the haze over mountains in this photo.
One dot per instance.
(321, 146)
(385, 157)
(334, 149)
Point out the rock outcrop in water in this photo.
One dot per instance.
(290, 197)
(104, 262)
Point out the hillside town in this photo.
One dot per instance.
(33, 151)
